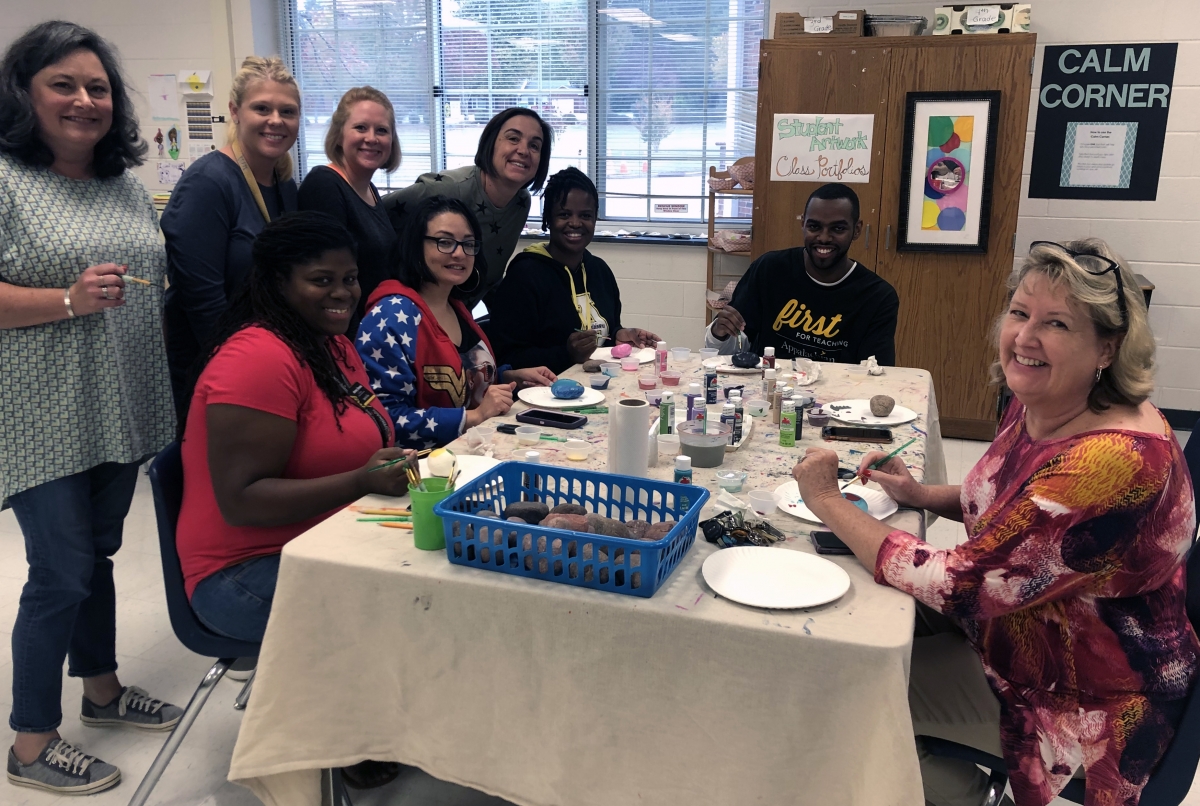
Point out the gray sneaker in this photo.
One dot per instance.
(63, 769)
(133, 709)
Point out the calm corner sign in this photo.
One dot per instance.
(1101, 121)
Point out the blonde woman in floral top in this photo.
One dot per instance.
(84, 389)
(1056, 635)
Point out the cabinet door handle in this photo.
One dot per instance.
(867, 239)
(887, 238)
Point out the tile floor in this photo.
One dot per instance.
(151, 657)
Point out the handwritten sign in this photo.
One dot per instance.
(818, 25)
(822, 148)
(983, 15)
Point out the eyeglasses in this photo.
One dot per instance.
(448, 245)
(1108, 264)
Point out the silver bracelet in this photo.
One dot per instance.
(67, 302)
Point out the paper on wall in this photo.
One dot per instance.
(195, 82)
(169, 172)
(164, 100)
(822, 148)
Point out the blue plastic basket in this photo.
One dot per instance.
(620, 565)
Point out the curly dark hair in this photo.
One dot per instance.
(45, 44)
(487, 143)
(410, 249)
(291, 240)
(560, 185)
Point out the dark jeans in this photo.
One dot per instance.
(236, 601)
(72, 528)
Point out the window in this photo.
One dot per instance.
(643, 95)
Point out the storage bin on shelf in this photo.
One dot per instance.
(620, 565)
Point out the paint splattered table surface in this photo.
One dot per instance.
(551, 695)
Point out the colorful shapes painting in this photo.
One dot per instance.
(947, 173)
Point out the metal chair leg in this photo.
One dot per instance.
(333, 790)
(203, 691)
(997, 781)
(244, 697)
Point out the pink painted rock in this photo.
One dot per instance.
(621, 350)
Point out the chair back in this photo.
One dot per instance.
(166, 483)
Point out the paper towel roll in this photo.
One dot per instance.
(627, 446)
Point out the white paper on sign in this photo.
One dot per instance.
(818, 25)
(1099, 154)
(983, 15)
(164, 100)
(169, 172)
(822, 148)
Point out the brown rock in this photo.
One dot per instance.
(607, 526)
(882, 405)
(486, 513)
(592, 366)
(576, 523)
(658, 531)
(568, 509)
(637, 529)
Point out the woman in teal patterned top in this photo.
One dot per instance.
(84, 391)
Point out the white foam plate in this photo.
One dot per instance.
(644, 355)
(470, 467)
(721, 364)
(541, 397)
(879, 505)
(859, 413)
(774, 578)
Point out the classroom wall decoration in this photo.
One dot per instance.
(948, 158)
(1102, 121)
(822, 148)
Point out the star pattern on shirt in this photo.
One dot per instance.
(495, 228)
(402, 318)
(392, 372)
(377, 309)
(364, 338)
(438, 178)
(431, 424)
(481, 208)
(391, 340)
(405, 339)
(376, 354)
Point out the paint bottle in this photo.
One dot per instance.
(787, 424)
(739, 416)
(695, 399)
(666, 413)
(660, 358)
(798, 404)
(710, 387)
(683, 475)
(768, 385)
(729, 417)
(768, 359)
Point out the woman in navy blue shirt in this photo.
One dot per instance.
(221, 204)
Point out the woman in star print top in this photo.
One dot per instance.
(429, 362)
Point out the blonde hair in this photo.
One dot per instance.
(333, 137)
(262, 68)
(1129, 380)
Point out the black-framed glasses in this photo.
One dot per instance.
(448, 245)
(1105, 266)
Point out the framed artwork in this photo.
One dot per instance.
(946, 182)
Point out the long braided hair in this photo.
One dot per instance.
(291, 240)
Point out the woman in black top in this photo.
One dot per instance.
(558, 301)
(361, 140)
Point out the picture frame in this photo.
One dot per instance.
(946, 186)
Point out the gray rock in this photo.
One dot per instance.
(568, 509)
(528, 511)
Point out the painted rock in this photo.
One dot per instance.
(566, 389)
(745, 359)
(621, 350)
(882, 405)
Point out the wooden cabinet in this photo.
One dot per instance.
(948, 302)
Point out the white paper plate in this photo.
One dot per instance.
(541, 397)
(774, 578)
(879, 505)
(470, 467)
(721, 364)
(859, 413)
(644, 355)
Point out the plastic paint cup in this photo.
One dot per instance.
(428, 532)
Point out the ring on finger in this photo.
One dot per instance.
(104, 292)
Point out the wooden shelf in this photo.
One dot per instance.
(730, 254)
(732, 192)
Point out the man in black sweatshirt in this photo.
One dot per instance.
(813, 301)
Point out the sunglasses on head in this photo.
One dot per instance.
(1107, 264)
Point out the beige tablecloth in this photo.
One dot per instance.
(550, 695)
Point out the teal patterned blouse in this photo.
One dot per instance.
(79, 392)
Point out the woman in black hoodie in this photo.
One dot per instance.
(558, 301)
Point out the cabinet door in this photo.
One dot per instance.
(829, 78)
(949, 302)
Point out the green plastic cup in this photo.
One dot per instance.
(428, 532)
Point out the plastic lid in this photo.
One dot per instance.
(683, 463)
(694, 385)
(662, 345)
(768, 351)
(665, 395)
(533, 456)
(769, 373)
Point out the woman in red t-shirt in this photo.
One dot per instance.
(282, 428)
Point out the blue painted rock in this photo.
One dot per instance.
(566, 389)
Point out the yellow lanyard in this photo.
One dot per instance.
(585, 309)
(249, 176)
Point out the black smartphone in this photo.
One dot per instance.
(854, 433)
(826, 542)
(552, 419)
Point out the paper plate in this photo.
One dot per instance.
(859, 413)
(721, 364)
(774, 578)
(541, 397)
(879, 505)
(644, 355)
(470, 467)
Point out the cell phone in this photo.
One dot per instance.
(826, 542)
(552, 419)
(853, 433)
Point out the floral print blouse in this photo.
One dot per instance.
(1071, 588)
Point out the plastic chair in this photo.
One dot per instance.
(1171, 780)
(166, 482)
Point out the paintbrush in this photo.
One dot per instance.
(380, 510)
(395, 525)
(384, 519)
(137, 280)
(878, 463)
(398, 460)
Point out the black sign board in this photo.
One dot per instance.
(1101, 121)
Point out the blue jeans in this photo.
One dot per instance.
(72, 528)
(236, 601)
